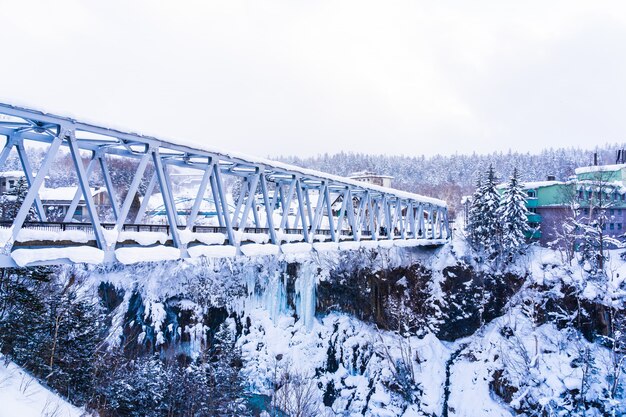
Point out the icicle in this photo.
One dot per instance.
(305, 297)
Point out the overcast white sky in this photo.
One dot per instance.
(306, 77)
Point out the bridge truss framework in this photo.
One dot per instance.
(367, 212)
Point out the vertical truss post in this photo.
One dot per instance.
(146, 199)
(169, 193)
(372, 217)
(108, 183)
(287, 204)
(206, 177)
(170, 209)
(251, 198)
(33, 190)
(356, 231)
(410, 219)
(218, 209)
(329, 212)
(342, 213)
(318, 210)
(301, 211)
(420, 221)
(28, 172)
(269, 211)
(431, 221)
(386, 203)
(447, 220)
(402, 219)
(83, 181)
(222, 197)
(76, 199)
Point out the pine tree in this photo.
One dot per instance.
(512, 212)
(484, 224)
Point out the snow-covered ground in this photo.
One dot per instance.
(22, 396)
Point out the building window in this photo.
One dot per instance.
(581, 194)
(531, 193)
(589, 195)
(619, 212)
(619, 226)
(612, 212)
(612, 226)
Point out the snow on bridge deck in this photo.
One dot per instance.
(275, 198)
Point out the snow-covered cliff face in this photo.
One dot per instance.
(391, 332)
(398, 332)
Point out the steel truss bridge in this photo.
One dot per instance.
(276, 200)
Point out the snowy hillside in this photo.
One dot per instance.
(22, 396)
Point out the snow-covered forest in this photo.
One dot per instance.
(451, 176)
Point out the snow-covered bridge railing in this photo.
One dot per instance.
(275, 204)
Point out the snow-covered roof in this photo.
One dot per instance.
(367, 174)
(9, 174)
(193, 145)
(599, 168)
(540, 184)
(63, 193)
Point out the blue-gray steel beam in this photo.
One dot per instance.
(351, 217)
(302, 211)
(269, 211)
(240, 200)
(251, 199)
(170, 209)
(342, 213)
(78, 193)
(319, 209)
(216, 199)
(83, 182)
(108, 183)
(6, 150)
(28, 172)
(386, 206)
(329, 212)
(168, 192)
(206, 177)
(146, 198)
(132, 191)
(33, 190)
(222, 197)
(286, 204)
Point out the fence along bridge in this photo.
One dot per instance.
(280, 207)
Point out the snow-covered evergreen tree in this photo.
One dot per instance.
(512, 212)
(483, 223)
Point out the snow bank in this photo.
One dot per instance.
(255, 249)
(301, 247)
(187, 236)
(29, 235)
(76, 254)
(212, 251)
(150, 254)
(144, 238)
(22, 396)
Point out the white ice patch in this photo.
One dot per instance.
(76, 254)
(253, 249)
(215, 251)
(150, 254)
